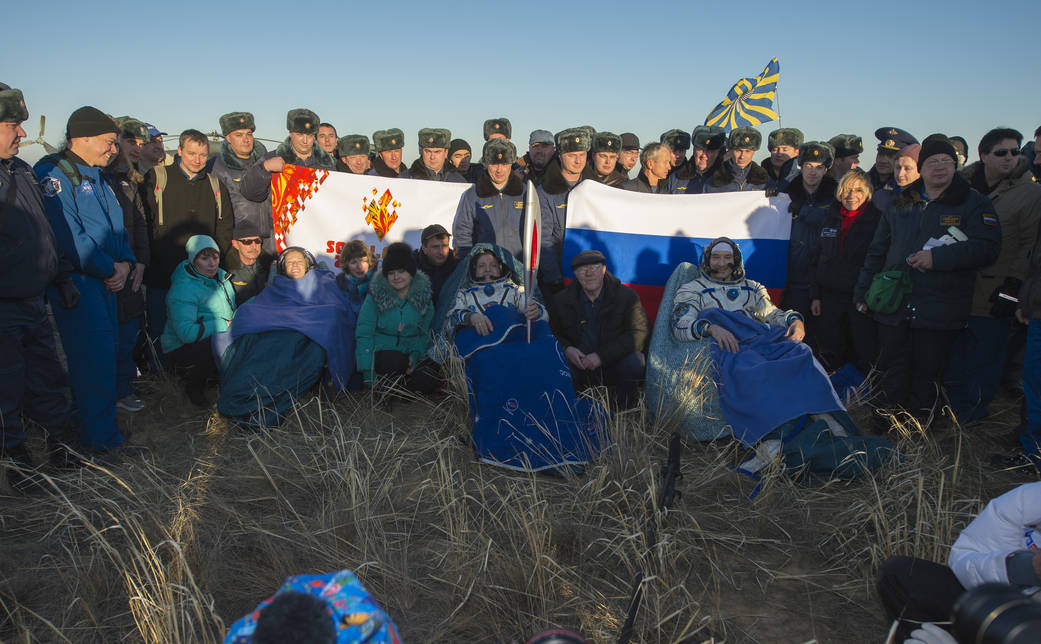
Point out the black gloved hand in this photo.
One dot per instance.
(1002, 307)
(772, 192)
(70, 295)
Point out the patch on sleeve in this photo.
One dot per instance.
(678, 314)
(50, 186)
(990, 220)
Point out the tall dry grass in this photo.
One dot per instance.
(173, 545)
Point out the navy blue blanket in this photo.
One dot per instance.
(769, 381)
(313, 305)
(263, 374)
(525, 413)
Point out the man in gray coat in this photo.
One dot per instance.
(238, 151)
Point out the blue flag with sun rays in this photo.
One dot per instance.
(749, 102)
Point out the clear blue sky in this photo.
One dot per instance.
(954, 67)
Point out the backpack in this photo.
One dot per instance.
(66, 166)
(160, 186)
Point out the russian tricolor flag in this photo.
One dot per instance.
(645, 236)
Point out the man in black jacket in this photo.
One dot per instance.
(435, 257)
(603, 328)
(191, 204)
(941, 231)
(32, 381)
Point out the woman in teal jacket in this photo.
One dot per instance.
(201, 302)
(393, 332)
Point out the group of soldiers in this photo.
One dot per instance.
(87, 227)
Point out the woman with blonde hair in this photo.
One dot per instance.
(844, 335)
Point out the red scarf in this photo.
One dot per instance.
(848, 217)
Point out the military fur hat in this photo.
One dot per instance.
(846, 145)
(352, 144)
(499, 151)
(12, 105)
(606, 142)
(817, 152)
(708, 137)
(239, 121)
(500, 125)
(676, 139)
(893, 139)
(434, 137)
(573, 139)
(784, 136)
(392, 139)
(630, 141)
(302, 121)
(746, 138)
(134, 129)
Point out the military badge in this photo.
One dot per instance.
(732, 294)
(990, 220)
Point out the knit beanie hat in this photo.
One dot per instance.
(458, 144)
(934, 145)
(198, 243)
(90, 121)
(911, 152)
(398, 256)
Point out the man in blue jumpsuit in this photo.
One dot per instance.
(88, 223)
(32, 380)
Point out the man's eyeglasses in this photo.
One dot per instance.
(1003, 153)
(249, 242)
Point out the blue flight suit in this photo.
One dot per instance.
(32, 380)
(88, 224)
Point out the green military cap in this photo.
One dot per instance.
(239, 121)
(708, 137)
(784, 136)
(12, 105)
(302, 121)
(499, 151)
(816, 151)
(606, 142)
(352, 144)
(676, 139)
(392, 139)
(575, 139)
(747, 138)
(131, 128)
(846, 145)
(434, 137)
(500, 125)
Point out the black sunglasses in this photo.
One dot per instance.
(249, 242)
(1002, 153)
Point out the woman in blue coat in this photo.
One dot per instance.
(200, 303)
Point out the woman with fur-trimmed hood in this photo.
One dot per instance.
(393, 332)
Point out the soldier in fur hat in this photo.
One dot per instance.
(388, 144)
(433, 152)
(738, 173)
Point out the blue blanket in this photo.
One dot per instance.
(769, 381)
(313, 305)
(525, 413)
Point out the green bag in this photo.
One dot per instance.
(887, 290)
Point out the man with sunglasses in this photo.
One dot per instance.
(978, 359)
(248, 263)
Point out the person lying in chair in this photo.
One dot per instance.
(723, 285)
(490, 285)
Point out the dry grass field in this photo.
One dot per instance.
(186, 535)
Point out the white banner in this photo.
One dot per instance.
(321, 210)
